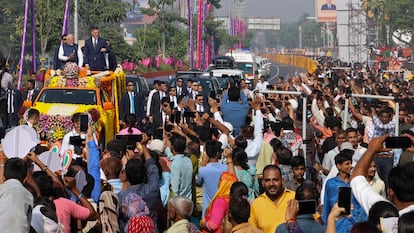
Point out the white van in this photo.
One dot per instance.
(226, 75)
(244, 61)
(263, 66)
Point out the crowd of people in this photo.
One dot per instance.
(235, 163)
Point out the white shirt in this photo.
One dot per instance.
(199, 108)
(16, 205)
(262, 86)
(174, 100)
(254, 145)
(65, 58)
(329, 158)
(29, 96)
(66, 146)
(179, 91)
(165, 117)
(162, 95)
(149, 101)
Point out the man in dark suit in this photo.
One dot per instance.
(181, 90)
(155, 108)
(33, 116)
(159, 120)
(14, 102)
(131, 102)
(201, 104)
(95, 50)
(30, 93)
(328, 6)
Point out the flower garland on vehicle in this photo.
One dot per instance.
(71, 78)
(54, 127)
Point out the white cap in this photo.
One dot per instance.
(228, 126)
(346, 145)
(294, 104)
(156, 145)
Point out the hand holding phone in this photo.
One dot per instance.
(397, 142)
(84, 120)
(344, 199)
(307, 207)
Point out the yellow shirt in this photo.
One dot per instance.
(266, 215)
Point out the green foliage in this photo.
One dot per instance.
(49, 20)
(288, 36)
(397, 14)
(148, 42)
(215, 3)
(9, 38)
(400, 15)
(101, 12)
(165, 67)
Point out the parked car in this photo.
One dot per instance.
(209, 83)
(141, 85)
(224, 76)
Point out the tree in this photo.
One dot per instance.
(101, 13)
(397, 14)
(10, 37)
(49, 20)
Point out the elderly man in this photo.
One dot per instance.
(179, 210)
(70, 52)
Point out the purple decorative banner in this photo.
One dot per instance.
(21, 63)
(203, 44)
(190, 29)
(199, 33)
(65, 27)
(34, 68)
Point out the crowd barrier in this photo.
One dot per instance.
(294, 60)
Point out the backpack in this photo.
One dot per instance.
(108, 213)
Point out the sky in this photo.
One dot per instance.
(286, 10)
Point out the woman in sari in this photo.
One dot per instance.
(244, 173)
(215, 220)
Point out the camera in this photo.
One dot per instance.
(169, 127)
(76, 141)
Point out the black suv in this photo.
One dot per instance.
(210, 84)
(141, 85)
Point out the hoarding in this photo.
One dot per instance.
(326, 10)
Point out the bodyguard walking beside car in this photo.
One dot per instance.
(132, 102)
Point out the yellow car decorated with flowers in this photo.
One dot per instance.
(64, 94)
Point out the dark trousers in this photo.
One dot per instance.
(384, 166)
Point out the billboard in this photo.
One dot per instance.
(263, 24)
(326, 10)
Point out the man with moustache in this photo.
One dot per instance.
(268, 210)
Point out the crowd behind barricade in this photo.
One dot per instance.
(235, 163)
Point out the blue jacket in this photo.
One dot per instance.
(343, 225)
(235, 112)
(69, 49)
(94, 170)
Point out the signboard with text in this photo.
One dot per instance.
(263, 24)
